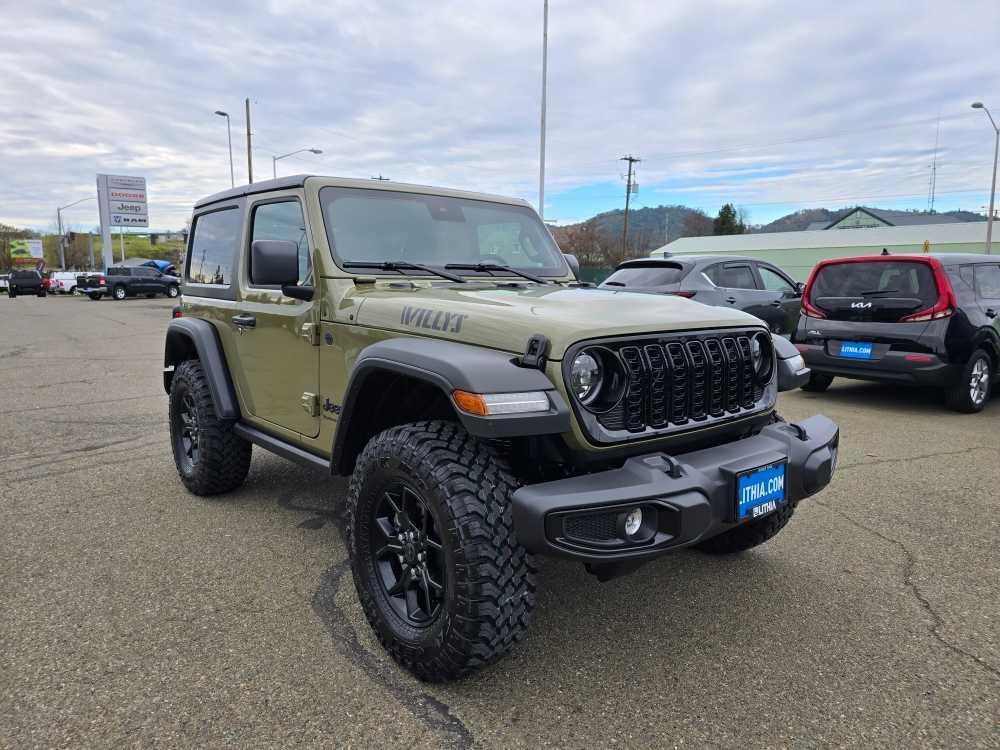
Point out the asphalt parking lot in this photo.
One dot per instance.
(136, 614)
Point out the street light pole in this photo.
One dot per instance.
(229, 132)
(62, 241)
(541, 146)
(274, 159)
(993, 186)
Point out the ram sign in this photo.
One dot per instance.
(122, 200)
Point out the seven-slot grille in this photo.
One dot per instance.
(681, 381)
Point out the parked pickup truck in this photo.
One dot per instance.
(121, 282)
(26, 282)
(94, 285)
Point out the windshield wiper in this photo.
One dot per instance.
(872, 292)
(404, 265)
(490, 267)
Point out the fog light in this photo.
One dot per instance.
(633, 522)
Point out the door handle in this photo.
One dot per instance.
(991, 313)
(731, 300)
(244, 321)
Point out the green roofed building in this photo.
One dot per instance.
(798, 252)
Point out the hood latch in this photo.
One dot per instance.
(536, 352)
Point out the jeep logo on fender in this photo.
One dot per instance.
(861, 305)
(436, 320)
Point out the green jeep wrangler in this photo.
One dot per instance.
(435, 346)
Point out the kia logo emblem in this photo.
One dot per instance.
(861, 305)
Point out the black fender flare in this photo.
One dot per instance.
(190, 338)
(987, 339)
(449, 365)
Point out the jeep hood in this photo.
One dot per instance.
(505, 317)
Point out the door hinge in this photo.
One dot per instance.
(310, 332)
(310, 404)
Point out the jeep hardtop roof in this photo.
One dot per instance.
(299, 180)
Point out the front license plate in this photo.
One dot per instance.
(856, 349)
(760, 491)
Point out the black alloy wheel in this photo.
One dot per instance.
(188, 433)
(408, 554)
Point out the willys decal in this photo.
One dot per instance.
(435, 320)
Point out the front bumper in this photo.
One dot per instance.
(890, 366)
(691, 496)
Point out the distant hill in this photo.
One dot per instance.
(802, 219)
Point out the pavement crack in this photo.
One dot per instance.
(434, 713)
(909, 566)
(900, 459)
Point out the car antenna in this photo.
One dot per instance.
(885, 251)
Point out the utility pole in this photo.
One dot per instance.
(380, 178)
(62, 249)
(541, 148)
(249, 148)
(629, 189)
(90, 246)
(993, 186)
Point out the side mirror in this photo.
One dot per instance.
(276, 263)
(574, 264)
(800, 288)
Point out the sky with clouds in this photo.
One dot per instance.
(774, 105)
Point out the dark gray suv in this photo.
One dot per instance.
(747, 284)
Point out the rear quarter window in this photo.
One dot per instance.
(215, 237)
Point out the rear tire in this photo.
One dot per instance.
(817, 383)
(173, 291)
(210, 458)
(95, 297)
(119, 293)
(454, 494)
(750, 534)
(40, 293)
(970, 394)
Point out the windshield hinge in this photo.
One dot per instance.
(536, 352)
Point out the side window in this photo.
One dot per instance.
(962, 276)
(988, 281)
(773, 281)
(734, 276)
(283, 221)
(214, 238)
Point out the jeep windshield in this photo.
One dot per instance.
(383, 226)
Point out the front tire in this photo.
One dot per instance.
(210, 458)
(970, 394)
(817, 383)
(173, 291)
(119, 293)
(443, 581)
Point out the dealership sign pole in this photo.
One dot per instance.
(122, 203)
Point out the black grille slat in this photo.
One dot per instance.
(674, 381)
(659, 382)
(716, 378)
(734, 363)
(699, 378)
(746, 373)
(635, 396)
(679, 377)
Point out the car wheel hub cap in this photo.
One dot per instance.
(408, 555)
(980, 381)
(189, 431)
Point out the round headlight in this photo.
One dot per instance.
(761, 356)
(585, 377)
